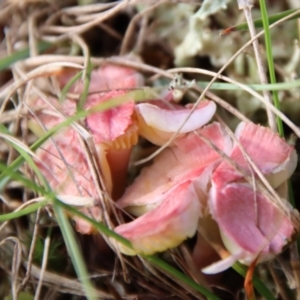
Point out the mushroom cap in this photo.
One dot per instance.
(158, 124)
(106, 126)
(63, 163)
(166, 226)
(105, 78)
(250, 224)
(190, 158)
(272, 155)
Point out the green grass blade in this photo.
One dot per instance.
(67, 87)
(15, 175)
(258, 23)
(273, 81)
(26, 156)
(98, 225)
(86, 87)
(271, 68)
(24, 211)
(21, 54)
(280, 86)
(74, 252)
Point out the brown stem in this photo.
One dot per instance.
(118, 163)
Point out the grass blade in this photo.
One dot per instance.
(280, 86)
(74, 252)
(21, 54)
(271, 68)
(258, 23)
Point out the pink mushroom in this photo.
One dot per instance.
(188, 160)
(166, 226)
(114, 133)
(251, 225)
(106, 78)
(158, 122)
(272, 155)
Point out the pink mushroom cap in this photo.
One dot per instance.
(64, 165)
(67, 169)
(271, 154)
(251, 225)
(105, 78)
(190, 158)
(166, 226)
(158, 124)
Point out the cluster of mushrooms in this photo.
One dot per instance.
(207, 181)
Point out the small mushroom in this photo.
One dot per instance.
(166, 226)
(271, 154)
(114, 132)
(191, 160)
(253, 228)
(158, 124)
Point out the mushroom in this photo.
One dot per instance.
(114, 132)
(252, 227)
(271, 154)
(188, 160)
(166, 226)
(105, 78)
(158, 122)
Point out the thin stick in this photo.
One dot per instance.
(278, 283)
(43, 268)
(130, 30)
(17, 258)
(295, 264)
(31, 251)
(79, 29)
(246, 6)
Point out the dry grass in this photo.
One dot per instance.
(34, 260)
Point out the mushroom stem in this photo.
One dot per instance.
(118, 163)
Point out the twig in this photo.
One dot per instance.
(43, 269)
(295, 264)
(278, 283)
(17, 258)
(86, 9)
(130, 30)
(246, 6)
(67, 285)
(79, 29)
(31, 251)
(44, 70)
